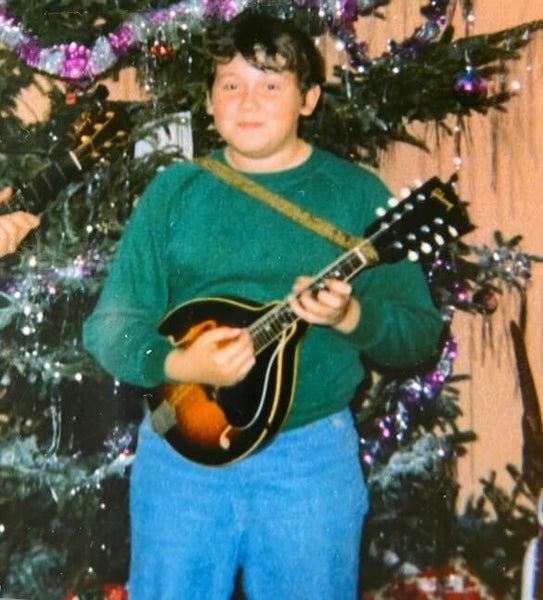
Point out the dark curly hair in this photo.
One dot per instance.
(268, 43)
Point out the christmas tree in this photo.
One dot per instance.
(68, 431)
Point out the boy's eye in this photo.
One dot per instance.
(272, 87)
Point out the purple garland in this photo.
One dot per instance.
(80, 64)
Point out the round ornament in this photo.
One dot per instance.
(471, 88)
(486, 300)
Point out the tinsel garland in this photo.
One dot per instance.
(78, 63)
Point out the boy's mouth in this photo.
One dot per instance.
(249, 124)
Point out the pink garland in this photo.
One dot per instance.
(80, 64)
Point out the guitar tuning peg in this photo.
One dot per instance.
(393, 202)
(405, 192)
(452, 231)
(380, 211)
(413, 256)
(440, 240)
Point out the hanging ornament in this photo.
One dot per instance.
(436, 11)
(471, 89)
(162, 51)
(485, 300)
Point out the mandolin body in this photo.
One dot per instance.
(218, 426)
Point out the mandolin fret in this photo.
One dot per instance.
(273, 324)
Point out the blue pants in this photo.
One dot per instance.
(290, 516)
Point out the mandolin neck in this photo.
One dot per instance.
(273, 325)
(34, 195)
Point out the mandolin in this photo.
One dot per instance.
(219, 426)
(98, 130)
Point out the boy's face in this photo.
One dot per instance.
(256, 112)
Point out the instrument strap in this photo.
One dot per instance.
(286, 207)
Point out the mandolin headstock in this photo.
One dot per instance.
(428, 218)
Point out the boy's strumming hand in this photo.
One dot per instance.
(332, 307)
(221, 357)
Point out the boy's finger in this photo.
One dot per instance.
(5, 194)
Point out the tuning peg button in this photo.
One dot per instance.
(380, 211)
(393, 202)
(413, 256)
(426, 248)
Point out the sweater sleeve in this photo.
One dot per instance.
(400, 325)
(122, 331)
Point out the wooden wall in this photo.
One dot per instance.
(502, 182)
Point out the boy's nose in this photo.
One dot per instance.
(249, 97)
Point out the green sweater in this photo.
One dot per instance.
(192, 235)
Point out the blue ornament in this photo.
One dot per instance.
(471, 88)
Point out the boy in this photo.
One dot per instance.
(291, 515)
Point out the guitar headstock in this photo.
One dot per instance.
(428, 218)
(102, 128)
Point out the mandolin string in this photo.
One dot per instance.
(269, 327)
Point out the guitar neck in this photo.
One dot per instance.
(33, 196)
(273, 324)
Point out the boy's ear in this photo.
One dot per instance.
(311, 100)
(209, 104)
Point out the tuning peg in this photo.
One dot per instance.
(417, 183)
(380, 211)
(452, 231)
(440, 240)
(405, 192)
(421, 197)
(413, 256)
(393, 202)
(426, 248)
